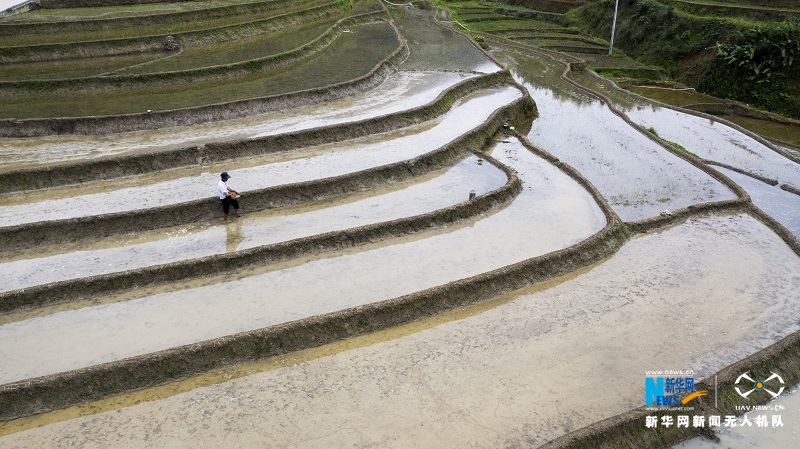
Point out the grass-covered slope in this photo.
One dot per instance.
(759, 61)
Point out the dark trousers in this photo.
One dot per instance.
(226, 204)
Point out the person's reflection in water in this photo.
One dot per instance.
(233, 231)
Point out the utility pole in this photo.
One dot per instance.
(613, 28)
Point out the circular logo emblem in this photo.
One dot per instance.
(750, 385)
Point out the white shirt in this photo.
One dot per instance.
(222, 189)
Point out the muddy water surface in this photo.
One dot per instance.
(363, 48)
(637, 177)
(123, 253)
(551, 213)
(784, 132)
(545, 361)
(713, 140)
(289, 167)
(435, 47)
(781, 205)
(236, 51)
(400, 91)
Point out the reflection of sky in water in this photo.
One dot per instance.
(552, 212)
(637, 177)
(712, 140)
(400, 91)
(781, 205)
(258, 229)
(338, 159)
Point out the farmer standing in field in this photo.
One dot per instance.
(227, 195)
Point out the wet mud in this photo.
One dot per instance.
(314, 289)
(715, 141)
(149, 154)
(285, 168)
(499, 367)
(638, 177)
(438, 190)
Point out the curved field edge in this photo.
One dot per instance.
(645, 225)
(202, 114)
(52, 392)
(83, 288)
(707, 111)
(704, 111)
(116, 167)
(628, 429)
(146, 19)
(116, 47)
(227, 71)
(86, 228)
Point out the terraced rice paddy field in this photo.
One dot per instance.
(439, 245)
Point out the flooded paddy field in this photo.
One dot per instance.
(400, 91)
(779, 204)
(213, 21)
(637, 177)
(511, 370)
(436, 47)
(556, 210)
(531, 366)
(283, 168)
(717, 142)
(125, 252)
(106, 12)
(781, 131)
(363, 48)
(189, 58)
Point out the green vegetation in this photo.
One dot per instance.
(760, 66)
(362, 50)
(675, 145)
(724, 55)
(480, 40)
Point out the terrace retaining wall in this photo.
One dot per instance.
(64, 389)
(83, 288)
(155, 44)
(201, 114)
(144, 20)
(120, 166)
(93, 227)
(227, 71)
